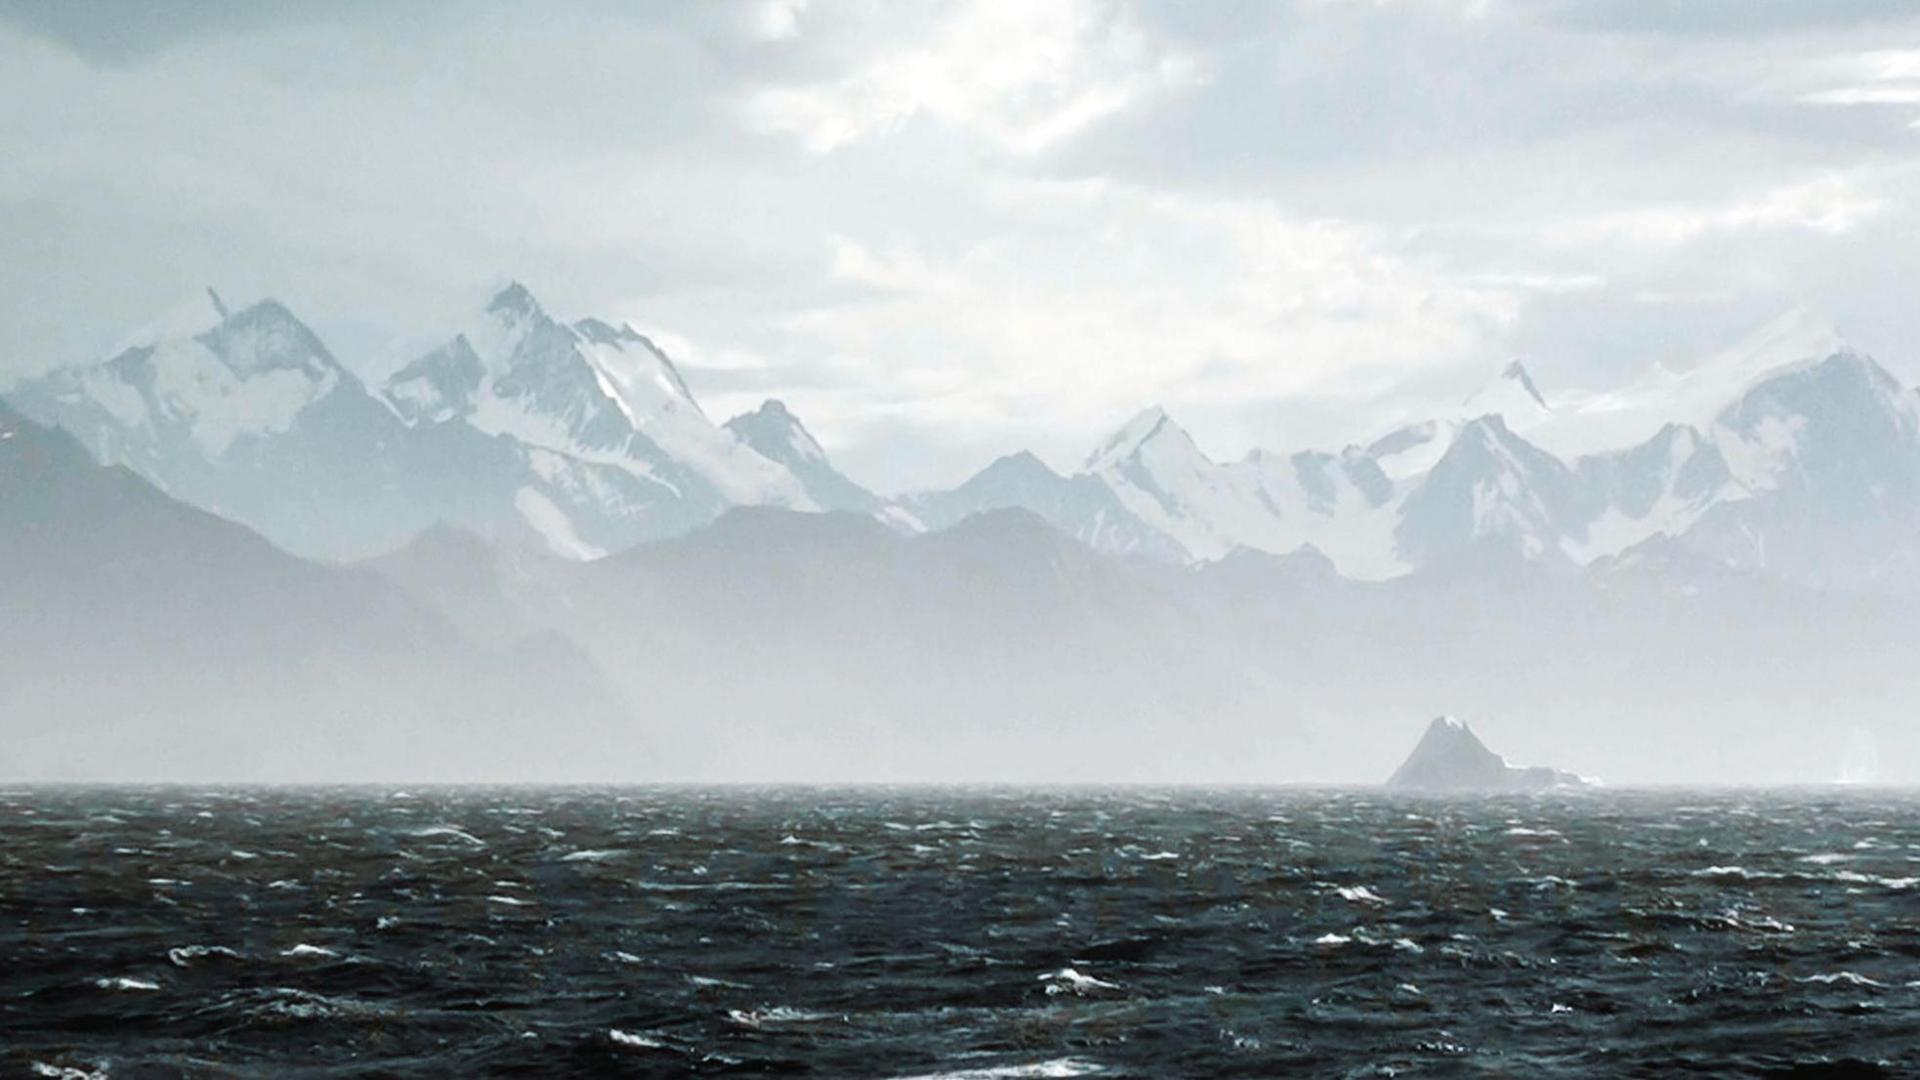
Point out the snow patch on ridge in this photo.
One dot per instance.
(553, 525)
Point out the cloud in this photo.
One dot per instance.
(1876, 77)
(1086, 300)
(1021, 75)
(1830, 205)
(949, 231)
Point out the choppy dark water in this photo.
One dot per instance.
(880, 933)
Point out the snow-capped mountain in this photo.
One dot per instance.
(581, 435)
(1338, 503)
(773, 432)
(244, 413)
(1412, 449)
(1789, 454)
(615, 448)
(1749, 447)
(1827, 455)
(591, 391)
(146, 638)
(1082, 506)
(1491, 489)
(1658, 488)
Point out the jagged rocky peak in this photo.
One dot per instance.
(1147, 425)
(775, 433)
(775, 425)
(1516, 373)
(514, 299)
(1450, 757)
(1017, 468)
(202, 374)
(1511, 394)
(266, 336)
(601, 332)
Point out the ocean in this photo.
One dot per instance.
(956, 933)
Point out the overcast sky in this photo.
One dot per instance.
(943, 232)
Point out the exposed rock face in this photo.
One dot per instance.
(1450, 757)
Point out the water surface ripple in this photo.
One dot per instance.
(874, 932)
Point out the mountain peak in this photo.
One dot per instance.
(772, 414)
(1019, 466)
(776, 433)
(513, 299)
(1512, 393)
(1516, 372)
(1489, 428)
(1147, 425)
(1793, 337)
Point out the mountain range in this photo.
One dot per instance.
(529, 553)
(1792, 454)
(142, 638)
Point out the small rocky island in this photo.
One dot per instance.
(1450, 757)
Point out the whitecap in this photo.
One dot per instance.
(592, 855)
(122, 982)
(184, 955)
(65, 1072)
(304, 949)
(712, 886)
(1055, 1069)
(510, 901)
(1763, 923)
(429, 831)
(1360, 894)
(778, 1014)
(1854, 878)
(1069, 981)
(1740, 872)
(639, 1042)
(1850, 978)
(1826, 858)
(1332, 940)
(299, 1004)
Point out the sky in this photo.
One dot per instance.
(945, 232)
